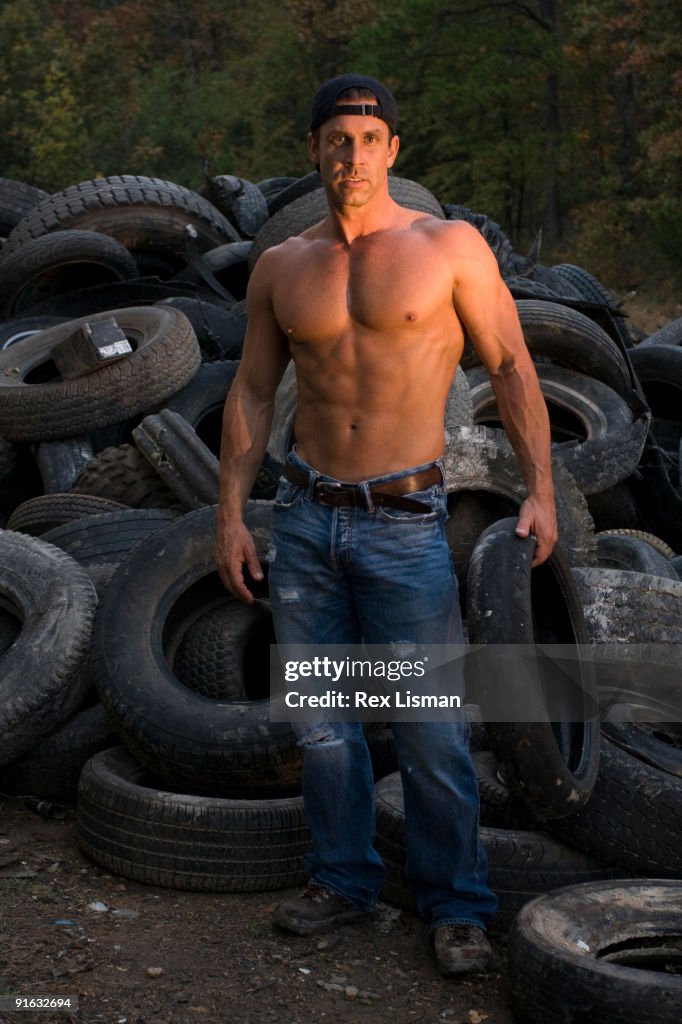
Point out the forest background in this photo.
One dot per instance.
(552, 114)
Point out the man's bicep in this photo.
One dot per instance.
(486, 308)
(266, 348)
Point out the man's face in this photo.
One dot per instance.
(354, 154)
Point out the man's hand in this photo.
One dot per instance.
(538, 519)
(234, 550)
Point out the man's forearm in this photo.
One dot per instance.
(246, 430)
(523, 414)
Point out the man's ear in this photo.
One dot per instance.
(393, 147)
(313, 150)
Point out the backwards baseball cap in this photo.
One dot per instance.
(325, 103)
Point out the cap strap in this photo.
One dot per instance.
(361, 109)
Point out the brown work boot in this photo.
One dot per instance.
(460, 948)
(317, 910)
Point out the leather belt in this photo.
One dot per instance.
(391, 493)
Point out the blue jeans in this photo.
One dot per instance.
(341, 575)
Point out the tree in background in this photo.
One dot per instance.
(541, 113)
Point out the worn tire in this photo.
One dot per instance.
(225, 653)
(55, 601)
(185, 464)
(521, 864)
(50, 770)
(17, 199)
(196, 744)
(123, 474)
(148, 216)
(548, 750)
(598, 952)
(165, 356)
(482, 473)
(59, 262)
(129, 825)
(634, 550)
(594, 432)
(47, 511)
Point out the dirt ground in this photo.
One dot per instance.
(135, 954)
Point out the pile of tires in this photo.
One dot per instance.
(153, 715)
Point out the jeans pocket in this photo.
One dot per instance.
(288, 494)
(434, 497)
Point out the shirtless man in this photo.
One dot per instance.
(372, 304)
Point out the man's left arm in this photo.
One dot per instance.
(489, 316)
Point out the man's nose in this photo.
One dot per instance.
(354, 152)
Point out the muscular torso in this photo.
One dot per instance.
(375, 338)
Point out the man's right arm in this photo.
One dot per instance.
(247, 420)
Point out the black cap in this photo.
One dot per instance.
(325, 105)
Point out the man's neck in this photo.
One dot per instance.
(347, 223)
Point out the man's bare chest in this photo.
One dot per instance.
(322, 294)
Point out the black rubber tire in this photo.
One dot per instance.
(634, 622)
(60, 262)
(312, 207)
(51, 769)
(547, 749)
(631, 819)
(270, 186)
(594, 432)
(500, 807)
(659, 500)
(615, 508)
(659, 369)
(480, 465)
(47, 511)
(593, 290)
(570, 339)
(185, 464)
(22, 327)
(148, 216)
(658, 744)
(55, 602)
(224, 655)
(16, 200)
(129, 825)
(310, 182)
(60, 463)
(521, 864)
(123, 474)
(602, 952)
(240, 200)
(220, 329)
(202, 401)
(165, 356)
(633, 550)
(101, 542)
(671, 334)
(196, 744)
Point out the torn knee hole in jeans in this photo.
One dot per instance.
(322, 735)
(288, 595)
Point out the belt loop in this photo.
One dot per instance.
(441, 465)
(367, 495)
(313, 477)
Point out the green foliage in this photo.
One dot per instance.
(543, 113)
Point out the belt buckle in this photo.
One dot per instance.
(328, 485)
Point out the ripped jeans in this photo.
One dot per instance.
(341, 575)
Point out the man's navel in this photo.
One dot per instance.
(410, 315)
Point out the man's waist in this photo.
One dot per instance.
(392, 492)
